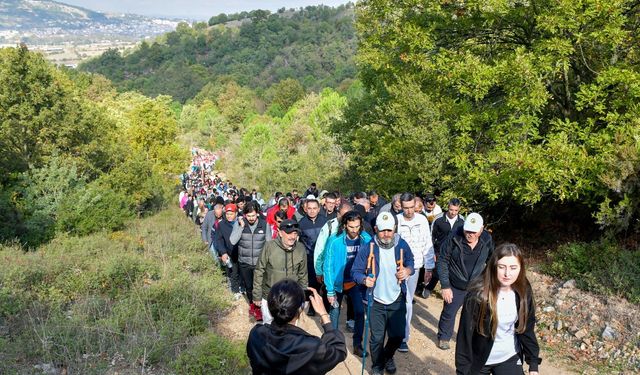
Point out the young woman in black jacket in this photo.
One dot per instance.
(283, 348)
(497, 326)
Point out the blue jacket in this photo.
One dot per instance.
(359, 271)
(335, 260)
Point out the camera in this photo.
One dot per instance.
(307, 295)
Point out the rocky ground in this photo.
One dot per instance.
(593, 334)
(579, 333)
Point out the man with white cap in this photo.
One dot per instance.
(463, 256)
(383, 266)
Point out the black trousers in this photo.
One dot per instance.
(387, 320)
(246, 278)
(233, 277)
(512, 366)
(448, 315)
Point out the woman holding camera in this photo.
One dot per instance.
(282, 347)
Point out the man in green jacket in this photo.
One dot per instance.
(281, 258)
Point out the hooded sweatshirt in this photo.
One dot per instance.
(290, 350)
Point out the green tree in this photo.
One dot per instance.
(539, 97)
(284, 94)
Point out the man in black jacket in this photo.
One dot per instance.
(441, 227)
(310, 226)
(463, 256)
(227, 251)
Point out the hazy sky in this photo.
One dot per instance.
(194, 9)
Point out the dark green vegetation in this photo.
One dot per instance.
(314, 45)
(504, 102)
(603, 267)
(76, 157)
(108, 302)
(525, 109)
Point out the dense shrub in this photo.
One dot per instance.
(138, 297)
(94, 208)
(603, 267)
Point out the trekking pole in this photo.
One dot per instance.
(371, 272)
(401, 263)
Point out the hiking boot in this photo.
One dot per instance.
(425, 293)
(377, 371)
(350, 325)
(444, 344)
(390, 366)
(359, 351)
(404, 348)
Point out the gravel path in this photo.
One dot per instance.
(423, 357)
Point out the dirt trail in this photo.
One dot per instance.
(424, 356)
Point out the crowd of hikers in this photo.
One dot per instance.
(321, 250)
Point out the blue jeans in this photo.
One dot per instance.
(355, 295)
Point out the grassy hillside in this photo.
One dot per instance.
(315, 45)
(142, 297)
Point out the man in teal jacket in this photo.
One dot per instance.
(340, 253)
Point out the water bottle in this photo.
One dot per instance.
(335, 304)
(228, 263)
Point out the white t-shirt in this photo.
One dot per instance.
(504, 345)
(387, 288)
(451, 221)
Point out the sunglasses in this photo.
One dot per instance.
(289, 226)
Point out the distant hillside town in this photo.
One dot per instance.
(68, 34)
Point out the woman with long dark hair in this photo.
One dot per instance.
(283, 348)
(497, 326)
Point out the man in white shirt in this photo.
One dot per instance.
(416, 231)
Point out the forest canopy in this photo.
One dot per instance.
(313, 45)
(505, 103)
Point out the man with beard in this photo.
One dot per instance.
(385, 275)
(250, 233)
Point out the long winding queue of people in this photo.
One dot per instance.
(321, 251)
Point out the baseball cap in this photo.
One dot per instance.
(231, 207)
(385, 221)
(429, 197)
(289, 226)
(473, 222)
(311, 197)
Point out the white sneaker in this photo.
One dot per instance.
(237, 296)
